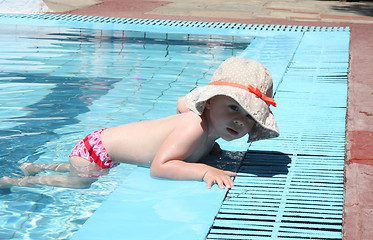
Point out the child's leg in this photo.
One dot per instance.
(82, 167)
(82, 174)
(50, 180)
(31, 169)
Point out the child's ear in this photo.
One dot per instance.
(208, 104)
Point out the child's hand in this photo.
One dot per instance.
(220, 177)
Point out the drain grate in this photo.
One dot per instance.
(283, 196)
(156, 24)
(296, 192)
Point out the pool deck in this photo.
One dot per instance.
(358, 207)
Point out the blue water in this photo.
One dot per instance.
(59, 84)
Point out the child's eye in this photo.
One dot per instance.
(233, 107)
(249, 117)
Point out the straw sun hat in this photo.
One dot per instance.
(250, 84)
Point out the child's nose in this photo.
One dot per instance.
(238, 122)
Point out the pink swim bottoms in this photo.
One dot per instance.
(92, 149)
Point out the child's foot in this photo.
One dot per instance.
(30, 169)
(4, 183)
(7, 182)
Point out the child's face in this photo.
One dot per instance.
(228, 118)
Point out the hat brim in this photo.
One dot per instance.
(265, 127)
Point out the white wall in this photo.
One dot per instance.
(23, 6)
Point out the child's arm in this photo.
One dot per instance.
(180, 170)
(181, 143)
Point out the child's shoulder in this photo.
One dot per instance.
(189, 125)
(187, 120)
(190, 116)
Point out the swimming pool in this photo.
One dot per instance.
(58, 84)
(64, 82)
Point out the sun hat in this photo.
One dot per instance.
(250, 84)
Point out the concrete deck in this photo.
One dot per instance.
(357, 15)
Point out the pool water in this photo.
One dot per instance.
(59, 84)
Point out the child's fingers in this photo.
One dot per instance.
(220, 183)
(229, 182)
(225, 181)
(209, 183)
(222, 180)
(230, 173)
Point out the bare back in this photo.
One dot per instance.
(139, 142)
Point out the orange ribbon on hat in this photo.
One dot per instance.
(257, 92)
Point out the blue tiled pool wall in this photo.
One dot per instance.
(296, 190)
(65, 83)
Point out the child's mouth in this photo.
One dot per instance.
(232, 131)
